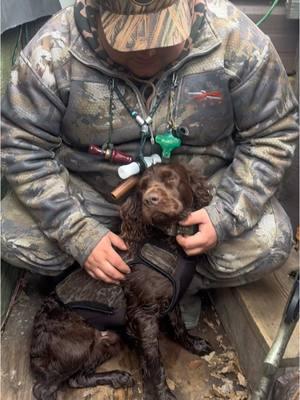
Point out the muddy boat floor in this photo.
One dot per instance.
(190, 377)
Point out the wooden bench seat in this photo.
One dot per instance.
(251, 315)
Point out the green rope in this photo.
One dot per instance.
(26, 35)
(268, 13)
(17, 46)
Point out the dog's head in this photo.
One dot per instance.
(165, 194)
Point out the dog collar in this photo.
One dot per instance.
(177, 229)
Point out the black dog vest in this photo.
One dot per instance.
(103, 305)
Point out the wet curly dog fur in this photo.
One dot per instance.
(66, 349)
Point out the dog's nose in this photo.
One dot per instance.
(152, 199)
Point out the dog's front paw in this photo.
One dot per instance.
(197, 345)
(122, 380)
(167, 395)
(43, 392)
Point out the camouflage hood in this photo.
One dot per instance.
(86, 14)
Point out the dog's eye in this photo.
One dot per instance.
(169, 177)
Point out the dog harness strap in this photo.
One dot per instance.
(185, 269)
(92, 306)
(100, 316)
(180, 277)
(144, 261)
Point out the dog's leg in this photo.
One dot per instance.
(154, 377)
(116, 379)
(178, 332)
(46, 391)
(107, 344)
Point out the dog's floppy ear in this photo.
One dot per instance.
(132, 227)
(200, 188)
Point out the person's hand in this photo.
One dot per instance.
(204, 239)
(105, 263)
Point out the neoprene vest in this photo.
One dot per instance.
(103, 305)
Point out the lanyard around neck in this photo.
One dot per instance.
(168, 140)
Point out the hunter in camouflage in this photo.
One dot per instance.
(233, 97)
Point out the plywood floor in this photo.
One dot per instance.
(190, 377)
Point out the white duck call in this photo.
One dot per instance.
(125, 171)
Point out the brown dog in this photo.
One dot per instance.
(66, 348)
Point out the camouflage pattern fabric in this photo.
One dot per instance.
(129, 26)
(232, 263)
(233, 97)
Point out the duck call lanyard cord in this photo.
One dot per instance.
(144, 124)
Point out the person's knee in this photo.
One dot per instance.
(265, 248)
(24, 245)
(283, 239)
(279, 252)
(32, 251)
(31, 261)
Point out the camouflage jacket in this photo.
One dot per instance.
(232, 95)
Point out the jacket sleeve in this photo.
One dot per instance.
(265, 139)
(31, 118)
